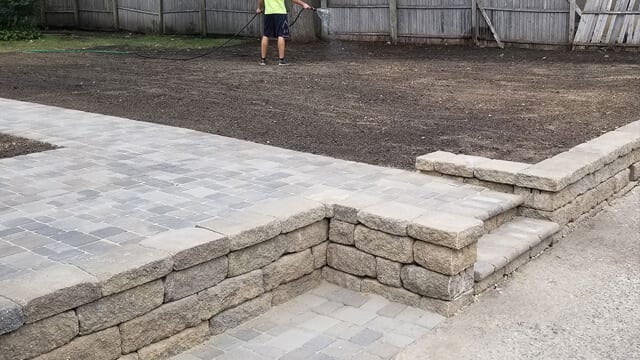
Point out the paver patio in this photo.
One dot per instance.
(116, 181)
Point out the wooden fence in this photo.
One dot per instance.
(527, 22)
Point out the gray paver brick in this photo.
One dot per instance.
(366, 337)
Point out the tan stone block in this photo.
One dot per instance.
(446, 308)
(391, 293)
(307, 237)
(292, 212)
(117, 308)
(38, 338)
(390, 217)
(183, 283)
(443, 259)
(103, 345)
(392, 247)
(341, 279)
(346, 208)
(167, 320)
(233, 317)
(230, 293)
(341, 232)
(432, 284)
(389, 272)
(189, 246)
(50, 291)
(428, 162)
(635, 172)
(176, 344)
(245, 229)
(127, 267)
(448, 230)
(499, 171)
(351, 260)
(287, 268)
(290, 290)
(256, 256)
(320, 255)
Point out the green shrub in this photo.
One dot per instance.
(16, 14)
(26, 33)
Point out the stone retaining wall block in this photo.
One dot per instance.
(307, 237)
(392, 247)
(103, 345)
(320, 255)
(50, 291)
(351, 260)
(389, 217)
(391, 293)
(443, 259)
(287, 268)
(127, 267)
(290, 290)
(447, 230)
(189, 246)
(167, 320)
(40, 337)
(446, 308)
(341, 232)
(230, 292)
(176, 344)
(341, 279)
(236, 316)
(436, 285)
(293, 212)
(245, 229)
(118, 308)
(11, 316)
(388, 272)
(180, 284)
(257, 256)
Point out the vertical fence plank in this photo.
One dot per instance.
(572, 21)
(474, 21)
(116, 20)
(161, 16)
(76, 12)
(393, 21)
(203, 17)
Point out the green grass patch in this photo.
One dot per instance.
(111, 41)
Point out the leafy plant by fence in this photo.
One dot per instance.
(18, 19)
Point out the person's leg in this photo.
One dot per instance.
(264, 46)
(281, 45)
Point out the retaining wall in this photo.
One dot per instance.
(562, 188)
(172, 291)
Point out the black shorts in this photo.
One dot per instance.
(275, 26)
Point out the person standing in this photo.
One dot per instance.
(275, 26)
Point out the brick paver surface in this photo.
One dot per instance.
(116, 181)
(305, 328)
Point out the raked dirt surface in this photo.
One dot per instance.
(579, 300)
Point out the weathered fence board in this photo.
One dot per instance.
(545, 22)
(609, 22)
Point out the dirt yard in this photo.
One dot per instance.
(367, 102)
(11, 146)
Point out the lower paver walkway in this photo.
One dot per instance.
(116, 181)
(326, 323)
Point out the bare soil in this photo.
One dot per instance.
(367, 102)
(11, 146)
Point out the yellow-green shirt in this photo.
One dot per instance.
(274, 7)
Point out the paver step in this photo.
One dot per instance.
(509, 246)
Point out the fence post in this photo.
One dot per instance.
(76, 13)
(203, 17)
(116, 20)
(161, 16)
(474, 21)
(572, 21)
(324, 31)
(393, 21)
(43, 13)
